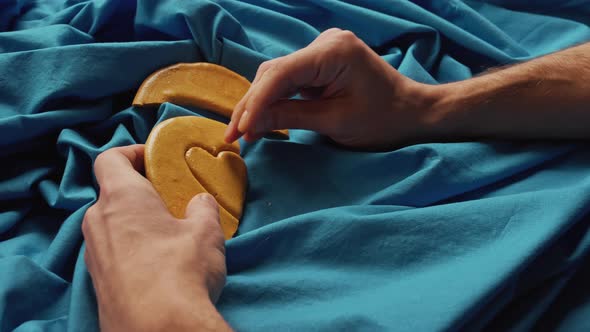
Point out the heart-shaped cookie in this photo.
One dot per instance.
(185, 156)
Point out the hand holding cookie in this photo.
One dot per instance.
(350, 94)
(186, 156)
(151, 270)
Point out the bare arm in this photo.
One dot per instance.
(548, 97)
(151, 271)
(360, 101)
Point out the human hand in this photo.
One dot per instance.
(350, 94)
(150, 270)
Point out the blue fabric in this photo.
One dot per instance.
(460, 236)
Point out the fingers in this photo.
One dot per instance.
(320, 67)
(248, 137)
(240, 107)
(232, 133)
(317, 115)
(202, 218)
(283, 77)
(203, 207)
(264, 67)
(119, 166)
(326, 34)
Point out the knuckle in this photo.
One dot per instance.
(272, 70)
(112, 190)
(348, 40)
(87, 221)
(345, 45)
(266, 65)
(267, 71)
(108, 189)
(106, 192)
(89, 215)
(91, 211)
(331, 31)
(84, 227)
(102, 158)
(347, 36)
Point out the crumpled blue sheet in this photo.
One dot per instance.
(467, 236)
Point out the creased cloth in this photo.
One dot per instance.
(488, 235)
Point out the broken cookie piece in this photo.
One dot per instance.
(205, 85)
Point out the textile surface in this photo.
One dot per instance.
(488, 235)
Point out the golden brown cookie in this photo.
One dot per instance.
(185, 156)
(205, 85)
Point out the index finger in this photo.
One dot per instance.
(120, 165)
(283, 78)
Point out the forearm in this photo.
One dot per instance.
(201, 316)
(166, 310)
(548, 97)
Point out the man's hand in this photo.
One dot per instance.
(352, 96)
(151, 271)
(360, 101)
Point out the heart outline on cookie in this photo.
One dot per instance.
(186, 156)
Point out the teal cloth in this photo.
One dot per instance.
(461, 236)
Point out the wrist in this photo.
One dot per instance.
(440, 114)
(198, 315)
(459, 111)
(171, 310)
(194, 313)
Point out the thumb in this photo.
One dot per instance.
(203, 208)
(317, 115)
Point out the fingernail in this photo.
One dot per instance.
(242, 124)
